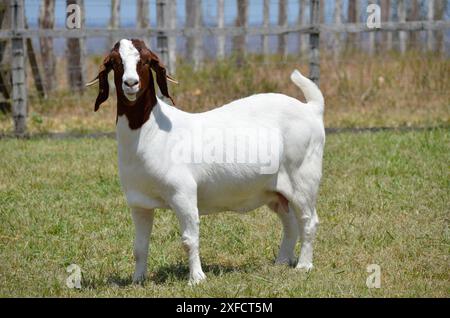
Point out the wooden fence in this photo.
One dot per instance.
(309, 28)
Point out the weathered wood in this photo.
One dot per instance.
(5, 59)
(303, 38)
(337, 16)
(413, 15)
(351, 18)
(314, 40)
(385, 17)
(231, 31)
(35, 71)
(440, 9)
(172, 44)
(47, 21)
(142, 15)
(430, 33)
(266, 24)
(194, 20)
(76, 55)
(19, 83)
(240, 41)
(142, 8)
(371, 40)
(114, 22)
(282, 22)
(162, 39)
(221, 24)
(401, 9)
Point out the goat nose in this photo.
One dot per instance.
(131, 82)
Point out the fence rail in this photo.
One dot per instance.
(166, 32)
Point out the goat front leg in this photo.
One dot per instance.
(143, 223)
(185, 207)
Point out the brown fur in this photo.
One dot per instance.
(138, 111)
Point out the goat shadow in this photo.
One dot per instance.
(178, 272)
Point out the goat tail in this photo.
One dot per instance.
(312, 93)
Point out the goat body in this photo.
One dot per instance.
(190, 163)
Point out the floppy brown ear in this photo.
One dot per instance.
(102, 78)
(161, 74)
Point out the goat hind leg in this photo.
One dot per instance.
(290, 237)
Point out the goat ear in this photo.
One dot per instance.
(161, 74)
(102, 78)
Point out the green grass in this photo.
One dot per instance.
(384, 200)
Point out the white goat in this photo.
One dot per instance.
(172, 159)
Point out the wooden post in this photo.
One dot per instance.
(194, 19)
(337, 20)
(282, 22)
(430, 18)
(114, 21)
(19, 83)
(401, 7)
(266, 24)
(172, 45)
(220, 24)
(47, 21)
(76, 56)
(303, 37)
(240, 41)
(5, 59)
(142, 14)
(386, 17)
(161, 40)
(39, 84)
(413, 16)
(440, 8)
(351, 13)
(371, 40)
(314, 38)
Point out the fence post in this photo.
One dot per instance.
(194, 19)
(142, 13)
(114, 21)
(401, 7)
(283, 22)
(303, 37)
(19, 88)
(240, 41)
(314, 59)
(430, 17)
(386, 17)
(337, 21)
(172, 41)
(76, 54)
(266, 23)
(161, 40)
(220, 24)
(47, 21)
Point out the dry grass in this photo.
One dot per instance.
(384, 90)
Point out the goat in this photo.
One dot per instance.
(163, 162)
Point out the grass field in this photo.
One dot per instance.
(384, 200)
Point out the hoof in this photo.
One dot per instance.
(196, 278)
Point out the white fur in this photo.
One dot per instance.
(150, 178)
(130, 57)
